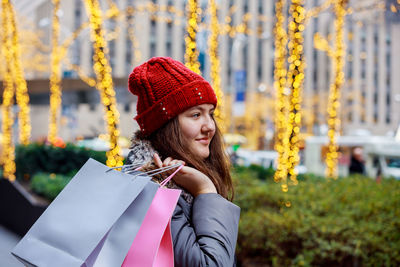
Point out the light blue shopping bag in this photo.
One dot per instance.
(92, 222)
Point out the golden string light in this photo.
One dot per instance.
(295, 77)
(112, 11)
(282, 138)
(114, 34)
(334, 90)
(377, 5)
(81, 74)
(67, 42)
(337, 54)
(8, 153)
(321, 43)
(55, 76)
(131, 34)
(191, 53)
(215, 64)
(20, 83)
(102, 70)
(314, 12)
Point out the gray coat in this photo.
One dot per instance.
(205, 233)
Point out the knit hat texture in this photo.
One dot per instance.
(165, 88)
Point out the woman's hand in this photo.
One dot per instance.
(194, 181)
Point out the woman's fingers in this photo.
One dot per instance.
(177, 161)
(167, 161)
(157, 160)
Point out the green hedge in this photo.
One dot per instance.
(35, 158)
(49, 185)
(351, 221)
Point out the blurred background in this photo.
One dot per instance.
(308, 90)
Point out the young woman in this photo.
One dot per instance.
(175, 110)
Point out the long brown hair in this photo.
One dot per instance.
(168, 141)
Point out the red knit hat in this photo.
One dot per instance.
(165, 88)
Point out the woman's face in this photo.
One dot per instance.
(198, 128)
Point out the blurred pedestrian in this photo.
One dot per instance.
(175, 113)
(378, 177)
(357, 165)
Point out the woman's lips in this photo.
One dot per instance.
(203, 141)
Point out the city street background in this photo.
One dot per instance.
(308, 103)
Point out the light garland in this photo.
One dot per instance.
(104, 80)
(191, 53)
(81, 74)
(334, 90)
(20, 84)
(67, 42)
(295, 77)
(55, 77)
(112, 11)
(8, 153)
(337, 54)
(137, 56)
(282, 138)
(314, 12)
(215, 64)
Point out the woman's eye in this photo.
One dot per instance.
(212, 114)
(196, 115)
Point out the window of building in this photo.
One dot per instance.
(363, 69)
(376, 73)
(375, 101)
(112, 54)
(153, 38)
(230, 60)
(388, 119)
(77, 23)
(169, 39)
(260, 62)
(388, 73)
(152, 49)
(349, 113)
(127, 108)
(363, 102)
(129, 50)
(260, 6)
(77, 14)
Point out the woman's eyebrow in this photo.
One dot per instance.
(204, 109)
(194, 109)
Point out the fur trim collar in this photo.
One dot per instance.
(141, 153)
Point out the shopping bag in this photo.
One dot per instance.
(152, 246)
(92, 222)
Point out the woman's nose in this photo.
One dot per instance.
(208, 124)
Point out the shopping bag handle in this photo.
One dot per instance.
(155, 171)
(172, 175)
(135, 166)
(164, 169)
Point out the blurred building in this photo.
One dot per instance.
(371, 93)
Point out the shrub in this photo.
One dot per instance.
(34, 158)
(351, 221)
(257, 171)
(49, 185)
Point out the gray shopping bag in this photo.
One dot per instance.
(92, 222)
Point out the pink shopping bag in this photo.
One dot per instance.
(152, 246)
